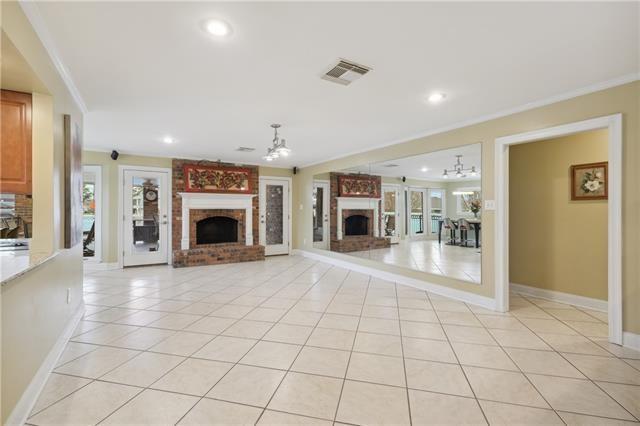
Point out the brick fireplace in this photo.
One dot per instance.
(356, 216)
(215, 226)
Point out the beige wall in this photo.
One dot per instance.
(35, 311)
(623, 99)
(555, 243)
(110, 190)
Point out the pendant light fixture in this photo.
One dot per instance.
(459, 169)
(279, 147)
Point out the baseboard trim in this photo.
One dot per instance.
(558, 296)
(462, 296)
(631, 340)
(27, 401)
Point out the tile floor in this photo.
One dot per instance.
(294, 341)
(462, 263)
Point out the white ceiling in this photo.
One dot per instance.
(435, 162)
(146, 69)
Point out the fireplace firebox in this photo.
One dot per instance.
(216, 230)
(356, 224)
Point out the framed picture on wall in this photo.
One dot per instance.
(589, 181)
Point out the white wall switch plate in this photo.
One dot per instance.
(489, 204)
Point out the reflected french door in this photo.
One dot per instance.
(145, 223)
(391, 213)
(321, 215)
(274, 215)
(417, 205)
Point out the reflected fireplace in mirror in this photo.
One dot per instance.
(356, 224)
(216, 230)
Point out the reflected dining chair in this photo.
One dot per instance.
(451, 226)
(464, 226)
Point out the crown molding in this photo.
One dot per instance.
(607, 84)
(30, 9)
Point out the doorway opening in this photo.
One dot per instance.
(505, 200)
(92, 213)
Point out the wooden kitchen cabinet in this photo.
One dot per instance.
(15, 142)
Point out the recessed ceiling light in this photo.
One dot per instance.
(424, 169)
(434, 98)
(217, 27)
(168, 139)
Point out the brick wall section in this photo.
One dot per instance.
(212, 253)
(355, 242)
(196, 215)
(222, 253)
(359, 243)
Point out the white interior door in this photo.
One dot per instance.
(274, 215)
(321, 215)
(391, 213)
(145, 222)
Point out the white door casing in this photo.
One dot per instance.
(613, 123)
(132, 253)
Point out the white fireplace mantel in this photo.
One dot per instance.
(202, 200)
(359, 204)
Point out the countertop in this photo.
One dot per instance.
(16, 263)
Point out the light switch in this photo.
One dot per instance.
(301, 207)
(489, 204)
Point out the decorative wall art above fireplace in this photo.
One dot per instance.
(359, 186)
(217, 179)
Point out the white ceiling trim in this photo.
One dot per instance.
(30, 9)
(629, 78)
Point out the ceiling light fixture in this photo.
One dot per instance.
(279, 147)
(168, 140)
(434, 98)
(217, 28)
(460, 170)
(424, 169)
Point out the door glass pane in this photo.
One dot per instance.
(274, 212)
(417, 217)
(145, 214)
(88, 215)
(389, 213)
(318, 214)
(436, 204)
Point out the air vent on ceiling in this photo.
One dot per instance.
(245, 149)
(345, 72)
(389, 165)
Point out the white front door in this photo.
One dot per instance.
(274, 215)
(145, 223)
(391, 212)
(321, 215)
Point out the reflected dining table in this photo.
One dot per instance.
(475, 223)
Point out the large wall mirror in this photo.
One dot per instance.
(422, 212)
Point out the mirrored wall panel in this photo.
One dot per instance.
(422, 212)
